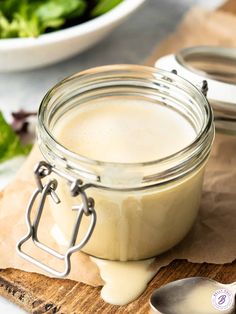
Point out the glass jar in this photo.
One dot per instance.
(128, 211)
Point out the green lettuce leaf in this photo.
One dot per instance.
(31, 18)
(103, 6)
(10, 145)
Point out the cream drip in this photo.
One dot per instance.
(124, 281)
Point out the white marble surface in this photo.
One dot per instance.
(9, 308)
(130, 43)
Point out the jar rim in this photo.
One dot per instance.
(202, 142)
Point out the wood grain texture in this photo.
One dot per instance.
(38, 294)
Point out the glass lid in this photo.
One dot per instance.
(216, 65)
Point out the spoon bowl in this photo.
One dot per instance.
(196, 295)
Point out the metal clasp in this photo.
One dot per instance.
(42, 170)
(203, 86)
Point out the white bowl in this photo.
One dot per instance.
(27, 53)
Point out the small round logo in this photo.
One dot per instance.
(222, 299)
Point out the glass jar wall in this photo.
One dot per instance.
(143, 207)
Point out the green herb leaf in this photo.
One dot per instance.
(104, 6)
(10, 145)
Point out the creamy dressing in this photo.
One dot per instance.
(131, 225)
(124, 130)
(124, 281)
(200, 301)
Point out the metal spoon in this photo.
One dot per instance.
(196, 295)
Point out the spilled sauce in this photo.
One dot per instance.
(124, 281)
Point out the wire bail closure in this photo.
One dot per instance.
(42, 170)
(203, 86)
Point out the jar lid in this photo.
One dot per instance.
(216, 65)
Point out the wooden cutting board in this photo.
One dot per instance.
(38, 294)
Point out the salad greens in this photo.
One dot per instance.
(31, 18)
(10, 145)
(104, 6)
